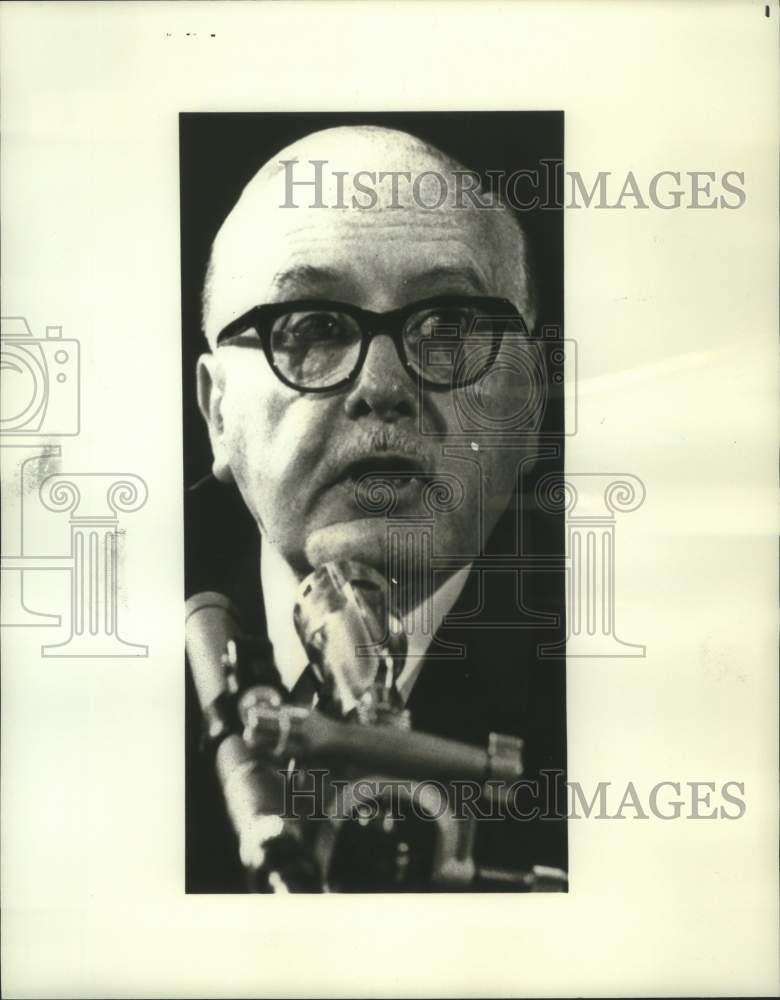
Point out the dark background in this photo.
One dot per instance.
(220, 153)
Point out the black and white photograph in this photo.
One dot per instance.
(383, 415)
(388, 444)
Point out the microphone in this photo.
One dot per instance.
(211, 621)
(269, 846)
(355, 644)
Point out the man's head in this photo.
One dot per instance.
(296, 455)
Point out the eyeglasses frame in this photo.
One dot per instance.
(372, 324)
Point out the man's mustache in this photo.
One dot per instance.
(381, 450)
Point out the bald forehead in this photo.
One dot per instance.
(348, 150)
(363, 208)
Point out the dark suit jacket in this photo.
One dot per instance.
(500, 685)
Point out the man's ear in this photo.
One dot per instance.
(211, 391)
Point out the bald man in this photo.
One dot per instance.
(351, 338)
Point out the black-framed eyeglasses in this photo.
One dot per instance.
(316, 345)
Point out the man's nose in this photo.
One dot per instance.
(383, 387)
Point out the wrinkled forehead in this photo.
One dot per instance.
(373, 222)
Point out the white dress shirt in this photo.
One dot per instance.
(280, 586)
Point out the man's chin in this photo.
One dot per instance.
(363, 540)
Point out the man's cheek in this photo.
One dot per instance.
(247, 456)
(275, 479)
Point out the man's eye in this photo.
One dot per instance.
(304, 329)
(444, 321)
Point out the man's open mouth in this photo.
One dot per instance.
(396, 470)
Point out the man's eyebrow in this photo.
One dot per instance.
(301, 276)
(304, 274)
(462, 273)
